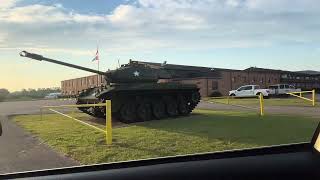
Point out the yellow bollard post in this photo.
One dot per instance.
(108, 122)
(313, 97)
(261, 105)
(41, 113)
(228, 102)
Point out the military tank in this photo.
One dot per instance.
(135, 92)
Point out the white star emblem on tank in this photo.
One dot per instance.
(136, 74)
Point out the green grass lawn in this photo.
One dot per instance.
(254, 102)
(203, 131)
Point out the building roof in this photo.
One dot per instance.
(302, 73)
(310, 72)
(256, 69)
(210, 71)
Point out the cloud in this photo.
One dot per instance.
(152, 25)
(283, 5)
(3, 37)
(35, 49)
(215, 23)
(5, 4)
(44, 14)
(233, 3)
(159, 14)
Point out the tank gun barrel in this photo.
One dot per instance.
(39, 57)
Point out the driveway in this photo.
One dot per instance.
(20, 151)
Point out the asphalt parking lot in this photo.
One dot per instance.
(20, 151)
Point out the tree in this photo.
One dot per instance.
(33, 93)
(3, 94)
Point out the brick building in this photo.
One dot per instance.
(212, 82)
(74, 86)
(227, 80)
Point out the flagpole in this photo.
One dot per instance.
(98, 59)
(98, 70)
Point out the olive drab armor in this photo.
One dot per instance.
(135, 92)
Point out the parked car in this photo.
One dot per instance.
(53, 96)
(282, 89)
(249, 91)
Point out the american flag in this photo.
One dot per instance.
(96, 57)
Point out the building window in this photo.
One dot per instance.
(215, 85)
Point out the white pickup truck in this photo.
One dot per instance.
(282, 89)
(249, 91)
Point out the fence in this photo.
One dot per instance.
(229, 100)
(107, 131)
(312, 100)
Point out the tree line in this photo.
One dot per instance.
(27, 93)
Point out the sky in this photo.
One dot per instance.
(278, 34)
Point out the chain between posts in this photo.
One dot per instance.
(107, 104)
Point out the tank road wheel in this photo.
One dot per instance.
(144, 112)
(97, 112)
(195, 97)
(103, 108)
(159, 109)
(182, 105)
(193, 101)
(84, 109)
(128, 112)
(172, 107)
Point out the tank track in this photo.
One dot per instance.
(153, 106)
